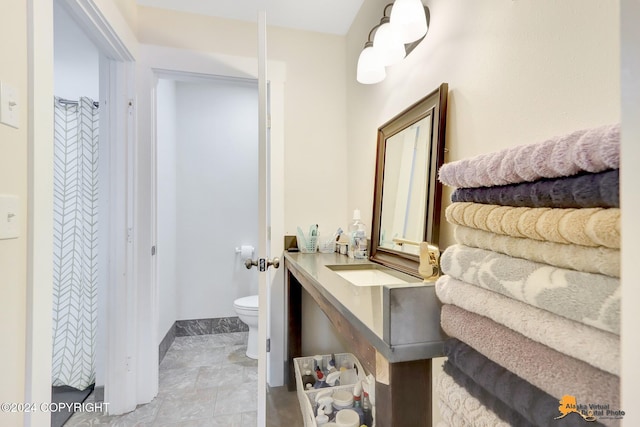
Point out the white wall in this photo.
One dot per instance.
(76, 59)
(518, 72)
(216, 195)
(167, 238)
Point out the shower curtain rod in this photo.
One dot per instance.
(70, 102)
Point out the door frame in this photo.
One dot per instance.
(157, 61)
(106, 27)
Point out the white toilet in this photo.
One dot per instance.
(247, 310)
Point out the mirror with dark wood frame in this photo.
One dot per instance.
(407, 195)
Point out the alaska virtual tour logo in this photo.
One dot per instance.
(590, 412)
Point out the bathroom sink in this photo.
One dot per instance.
(371, 275)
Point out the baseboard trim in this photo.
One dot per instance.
(193, 327)
(98, 393)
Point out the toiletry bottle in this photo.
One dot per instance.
(332, 364)
(308, 380)
(358, 237)
(367, 409)
(333, 379)
(321, 383)
(326, 402)
(321, 418)
(357, 405)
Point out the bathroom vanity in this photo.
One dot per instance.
(389, 316)
(390, 319)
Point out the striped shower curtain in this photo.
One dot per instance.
(75, 241)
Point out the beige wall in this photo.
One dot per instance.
(129, 11)
(518, 72)
(13, 180)
(315, 103)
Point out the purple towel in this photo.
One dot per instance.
(589, 190)
(494, 381)
(590, 150)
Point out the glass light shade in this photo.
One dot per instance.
(388, 44)
(370, 68)
(409, 20)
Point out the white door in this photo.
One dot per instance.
(264, 250)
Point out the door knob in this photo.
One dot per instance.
(262, 263)
(275, 262)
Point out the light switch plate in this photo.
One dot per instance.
(9, 106)
(9, 217)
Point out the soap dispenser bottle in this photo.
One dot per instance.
(358, 237)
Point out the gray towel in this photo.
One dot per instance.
(591, 190)
(555, 373)
(503, 411)
(495, 382)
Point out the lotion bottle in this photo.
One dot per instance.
(357, 237)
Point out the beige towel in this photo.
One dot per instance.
(586, 227)
(599, 260)
(549, 370)
(458, 408)
(593, 346)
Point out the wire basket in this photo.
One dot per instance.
(327, 246)
(307, 243)
(307, 398)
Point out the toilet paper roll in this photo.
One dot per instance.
(246, 251)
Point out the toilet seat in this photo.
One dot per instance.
(247, 303)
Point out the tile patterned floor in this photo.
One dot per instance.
(205, 380)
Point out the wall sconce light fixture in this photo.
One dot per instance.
(394, 38)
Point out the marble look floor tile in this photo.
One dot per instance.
(205, 381)
(237, 399)
(85, 419)
(218, 376)
(234, 420)
(236, 354)
(234, 338)
(143, 413)
(193, 358)
(250, 419)
(195, 406)
(250, 374)
(196, 342)
(175, 380)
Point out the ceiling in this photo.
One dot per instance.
(325, 16)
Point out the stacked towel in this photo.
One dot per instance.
(531, 292)
(580, 191)
(591, 150)
(495, 382)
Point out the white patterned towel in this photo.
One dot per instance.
(592, 299)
